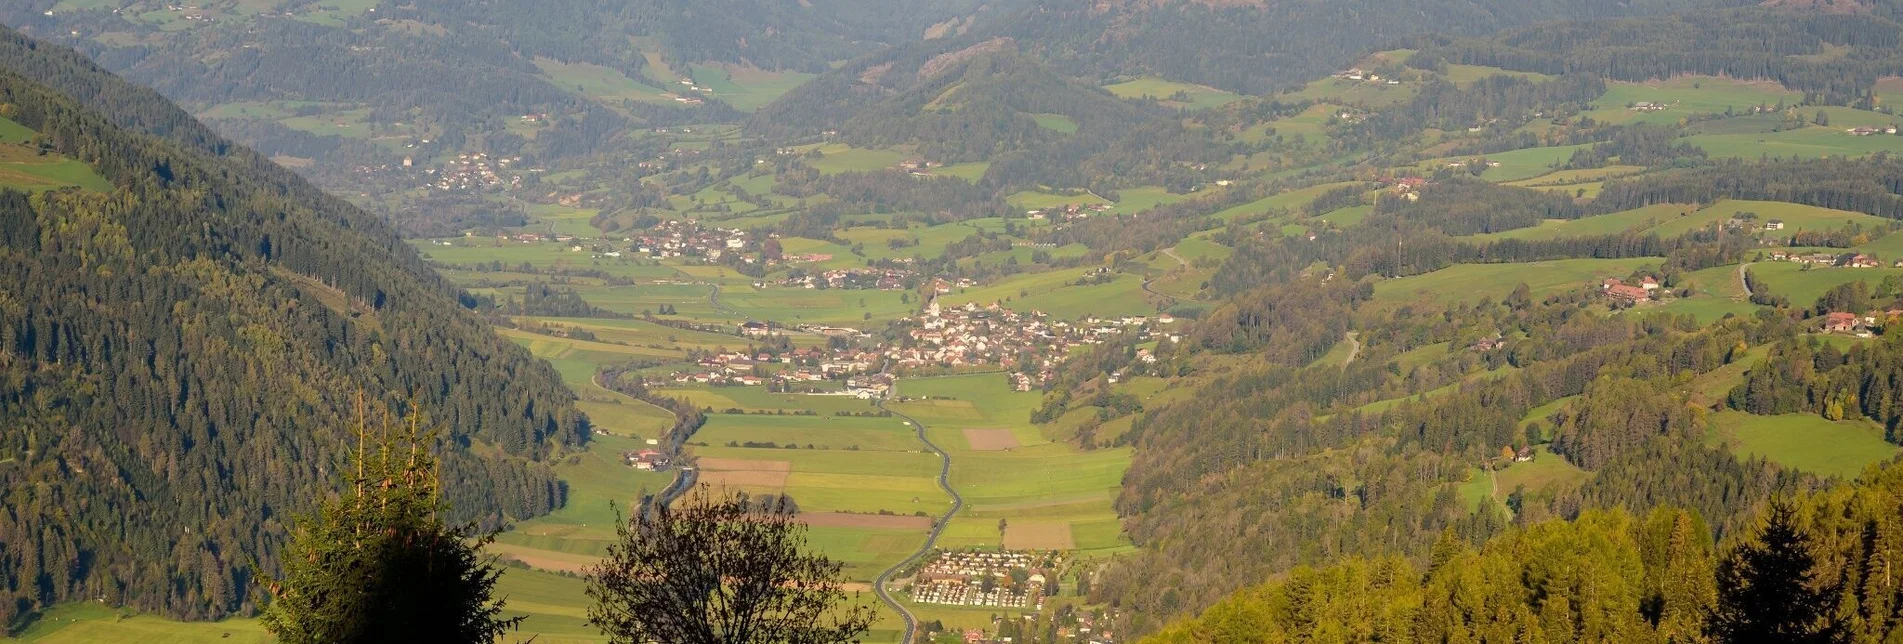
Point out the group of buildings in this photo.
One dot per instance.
(472, 171)
(1835, 260)
(687, 238)
(973, 335)
(883, 279)
(973, 578)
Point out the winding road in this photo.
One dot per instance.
(938, 528)
(1744, 284)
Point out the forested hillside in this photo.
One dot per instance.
(183, 353)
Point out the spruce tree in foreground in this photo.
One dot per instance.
(1766, 591)
(720, 569)
(379, 564)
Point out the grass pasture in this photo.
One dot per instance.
(1805, 441)
(839, 157)
(1470, 282)
(1685, 96)
(1057, 293)
(1173, 93)
(25, 169)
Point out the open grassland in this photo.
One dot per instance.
(824, 432)
(1637, 219)
(1057, 294)
(603, 84)
(1353, 92)
(1516, 165)
(1174, 93)
(1136, 200)
(1546, 472)
(745, 88)
(1807, 143)
(1803, 287)
(1467, 74)
(1196, 248)
(1685, 96)
(1056, 122)
(818, 306)
(1805, 442)
(1291, 200)
(839, 157)
(759, 400)
(92, 623)
(1470, 282)
(1033, 200)
(23, 168)
(1796, 217)
(470, 252)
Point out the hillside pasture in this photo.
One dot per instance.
(1470, 282)
(1685, 96)
(1173, 93)
(1805, 442)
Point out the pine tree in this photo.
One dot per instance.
(1766, 591)
(379, 564)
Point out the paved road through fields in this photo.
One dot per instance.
(938, 527)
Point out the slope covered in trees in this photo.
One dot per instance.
(180, 353)
(1810, 568)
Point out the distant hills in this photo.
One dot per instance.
(182, 349)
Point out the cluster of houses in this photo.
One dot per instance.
(1861, 325)
(1068, 212)
(1871, 131)
(972, 335)
(884, 279)
(801, 365)
(1408, 187)
(1845, 260)
(687, 238)
(473, 171)
(983, 579)
(647, 460)
(1648, 106)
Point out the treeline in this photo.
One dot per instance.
(181, 354)
(687, 418)
(1811, 568)
(1793, 47)
(1818, 378)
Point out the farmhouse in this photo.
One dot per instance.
(1774, 224)
(1840, 322)
(1619, 291)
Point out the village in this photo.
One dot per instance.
(471, 171)
(1830, 260)
(973, 578)
(993, 335)
(687, 238)
(883, 279)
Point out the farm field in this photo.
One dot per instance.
(1796, 217)
(1470, 282)
(1046, 494)
(1637, 219)
(1805, 441)
(1810, 143)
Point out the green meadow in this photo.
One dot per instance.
(1805, 442)
(1056, 293)
(1470, 282)
(1685, 96)
(838, 157)
(1803, 287)
(1195, 96)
